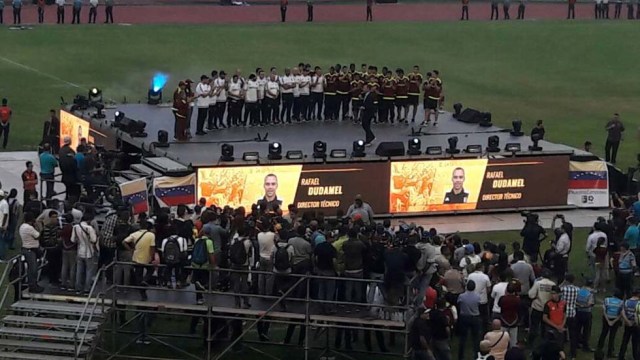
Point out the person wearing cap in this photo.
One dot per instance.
(554, 314)
(611, 310)
(630, 322)
(469, 259)
(362, 208)
(143, 245)
(540, 293)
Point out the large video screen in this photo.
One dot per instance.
(74, 127)
(398, 187)
(321, 187)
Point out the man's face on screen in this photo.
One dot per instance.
(270, 186)
(458, 179)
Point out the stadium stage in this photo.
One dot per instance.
(393, 183)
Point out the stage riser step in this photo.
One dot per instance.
(14, 332)
(40, 346)
(48, 323)
(41, 307)
(4, 355)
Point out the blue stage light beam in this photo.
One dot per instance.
(159, 81)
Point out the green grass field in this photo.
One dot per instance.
(572, 75)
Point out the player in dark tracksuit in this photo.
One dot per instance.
(354, 93)
(388, 98)
(342, 92)
(330, 98)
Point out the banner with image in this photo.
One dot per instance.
(73, 127)
(174, 191)
(588, 184)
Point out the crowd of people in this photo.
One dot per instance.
(306, 93)
(497, 301)
(61, 9)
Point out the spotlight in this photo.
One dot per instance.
(358, 148)
(95, 95)
(493, 144)
(227, 153)
(163, 139)
(275, 151)
(251, 156)
(512, 147)
(473, 149)
(154, 97)
(117, 118)
(294, 155)
(535, 138)
(414, 146)
(338, 153)
(99, 107)
(434, 150)
(138, 128)
(319, 150)
(457, 108)
(485, 120)
(517, 128)
(453, 145)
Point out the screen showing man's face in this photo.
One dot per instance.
(270, 186)
(458, 179)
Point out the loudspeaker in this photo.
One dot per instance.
(390, 148)
(470, 116)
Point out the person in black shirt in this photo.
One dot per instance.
(270, 202)
(69, 169)
(324, 254)
(439, 325)
(533, 234)
(457, 195)
(420, 336)
(539, 129)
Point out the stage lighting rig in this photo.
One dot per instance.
(275, 151)
(535, 138)
(319, 150)
(227, 153)
(517, 128)
(358, 148)
(512, 147)
(473, 149)
(493, 144)
(453, 145)
(433, 150)
(294, 155)
(414, 146)
(163, 139)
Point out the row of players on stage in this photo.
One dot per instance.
(303, 94)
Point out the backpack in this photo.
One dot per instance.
(237, 252)
(470, 267)
(282, 261)
(200, 255)
(172, 253)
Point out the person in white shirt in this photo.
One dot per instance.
(287, 84)
(93, 11)
(85, 236)
(497, 292)
(483, 286)
(213, 98)
(221, 86)
(172, 268)
(605, 9)
(4, 223)
(262, 85)
(60, 11)
(272, 91)
(30, 250)
(266, 245)
(251, 101)
(297, 76)
(592, 242)
(234, 95)
(304, 87)
(317, 93)
(203, 93)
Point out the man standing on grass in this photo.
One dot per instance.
(465, 10)
(521, 7)
(369, 10)
(40, 11)
(283, 9)
(618, 9)
(629, 9)
(571, 12)
(93, 11)
(77, 6)
(494, 10)
(570, 296)
(5, 125)
(505, 9)
(614, 128)
(108, 11)
(60, 11)
(17, 9)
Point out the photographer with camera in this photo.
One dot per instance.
(532, 235)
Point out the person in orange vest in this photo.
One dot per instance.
(5, 116)
(283, 9)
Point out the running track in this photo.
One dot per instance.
(208, 14)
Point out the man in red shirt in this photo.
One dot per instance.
(554, 313)
(5, 116)
(29, 182)
(509, 310)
